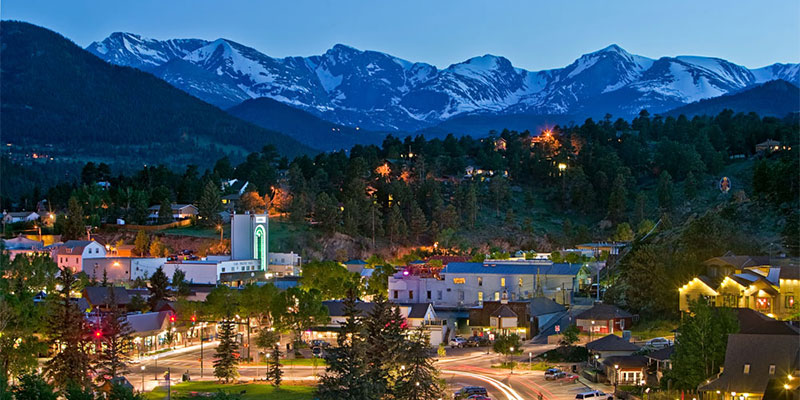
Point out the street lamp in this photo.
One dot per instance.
(616, 378)
(511, 358)
(142, 367)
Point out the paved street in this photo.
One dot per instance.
(461, 367)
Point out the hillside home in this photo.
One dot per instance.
(767, 289)
(72, 253)
(604, 318)
(23, 245)
(179, 211)
(19, 216)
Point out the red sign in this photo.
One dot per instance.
(558, 328)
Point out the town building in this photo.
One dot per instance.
(22, 245)
(284, 264)
(72, 253)
(604, 318)
(545, 312)
(771, 290)
(355, 266)
(19, 216)
(609, 346)
(469, 284)
(501, 318)
(99, 298)
(625, 370)
(612, 248)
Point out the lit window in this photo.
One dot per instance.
(459, 281)
(480, 297)
(480, 281)
(789, 301)
(772, 369)
(520, 282)
(747, 369)
(503, 282)
(411, 295)
(496, 296)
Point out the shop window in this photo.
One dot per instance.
(496, 296)
(789, 301)
(763, 303)
(459, 281)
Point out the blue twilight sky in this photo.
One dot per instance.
(532, 34)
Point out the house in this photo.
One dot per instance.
(355, 266)
(612, 248)
(604, 318)
(23, 245)
(758, 366)
(771, 290)
(149, 330)
(469, 284)
(625, 370)
(609, 346)
(19, 216)
(544, 311)
(770, 146)
(99, 297)
(284, 264)
(501, 318)
(730, 264)
(660, 361)
(72, 253)
(179, 211)
(229, 201)
(418, 316)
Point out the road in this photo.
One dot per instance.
(461, 367)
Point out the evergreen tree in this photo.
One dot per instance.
(165, 212)
(640, 213)
(179, 283)
(417, 223)
(68, 327)
(159, 288)
(274, 372)
(210, 205)
(703, 339)
(665, 191)
(116, 340)
(395, 224)
(499, 192)
(384, 333)
(690, 186)
(142, 243)
(298, 208)
(762, 179)
(418, 378)
(226, 357)
(346, 372)
(617, 200)
(75, 227)
(33, 387)
(326, 212)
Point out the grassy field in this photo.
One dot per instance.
(252, 391)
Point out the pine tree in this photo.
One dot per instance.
(180, 284)
(274, 372)
(384, 335)
(395, 224)
(665, 191)
(640, 213)
(417, 223)
(617, 200)
(68, 327)
(165, 212)
(346, 372)
(227, 357)
(210, 205)
(326, 212)
(142, 243)
(690, 186)
(500, 193)
(75, 227)
(116, 340)
(419, 378)
(158, 288)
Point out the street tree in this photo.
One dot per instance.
(159, 288)
(417, 378)
(508, 345)
(165, 212)
(116, 341)
(330, 278)
(665, 192)
(274, 372)
(210, 205)
(141, 244)
(180, 284)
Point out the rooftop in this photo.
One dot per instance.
(611, 343)
(512, 269)
(601, 311)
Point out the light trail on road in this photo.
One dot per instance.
(508, 391)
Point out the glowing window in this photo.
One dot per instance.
(459, 281)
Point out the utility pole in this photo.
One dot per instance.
(169, 384)
(201, 350)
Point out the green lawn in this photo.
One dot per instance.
(299, 361)
(252, 391)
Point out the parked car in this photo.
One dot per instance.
(551, 373)
(593, 395)
(316, 351)
(658, 342)
(468, 391)
(458, 342)
(320, 343)
(478, 397)
(473, 341)
(567, 377)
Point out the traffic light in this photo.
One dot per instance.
(172, 318)
(194, 319)
(98, 334)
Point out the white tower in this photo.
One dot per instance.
(250, 238)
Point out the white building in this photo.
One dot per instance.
(179, 211)
(469, 284)
(250, 238)
(72, 253)
(284, 264)
(20, 216)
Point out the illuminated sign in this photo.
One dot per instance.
(261, 220)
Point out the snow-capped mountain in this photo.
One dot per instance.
(377, 91)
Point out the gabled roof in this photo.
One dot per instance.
(21, 242)
(504, 312)
(99, 295)
(611, 343)
(626, 362)
(544, 305)
(601, 311)
(738, 262)
(759, 352)
(355, 262)
(336, 307)
(754, 322)
(662, 354)
(147, 324)
(418, 310)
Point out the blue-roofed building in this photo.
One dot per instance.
(355, 265)
(469, 284)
